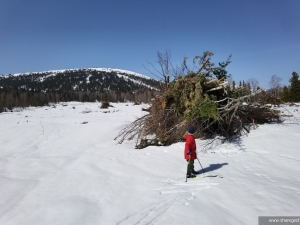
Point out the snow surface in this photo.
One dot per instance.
(61, 165)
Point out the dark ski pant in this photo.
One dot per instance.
(190, 166)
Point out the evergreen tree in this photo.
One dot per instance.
(220, 71)
(285, 96)
(295, 88)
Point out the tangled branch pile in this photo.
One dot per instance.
(202, 99)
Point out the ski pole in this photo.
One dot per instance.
(200, 165)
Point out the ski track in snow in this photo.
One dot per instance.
(177, 192)
(154, 213)
(151, 214)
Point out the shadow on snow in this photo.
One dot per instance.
(213, 167)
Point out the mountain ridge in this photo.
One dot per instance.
(105, 69)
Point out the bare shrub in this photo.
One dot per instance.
(105, 105)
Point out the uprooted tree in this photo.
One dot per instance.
(202, 98)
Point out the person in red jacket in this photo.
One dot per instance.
(190, 152)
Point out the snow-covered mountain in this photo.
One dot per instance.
(87, 79)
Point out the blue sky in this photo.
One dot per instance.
(263, 36)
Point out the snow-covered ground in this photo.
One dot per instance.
(62, 166)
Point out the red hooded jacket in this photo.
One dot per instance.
(190, 145)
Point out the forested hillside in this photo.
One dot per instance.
(91, 84)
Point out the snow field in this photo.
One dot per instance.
(62, 166)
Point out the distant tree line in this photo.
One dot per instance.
(9, 100)
(275, 94)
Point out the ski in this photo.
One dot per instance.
(207, 175)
